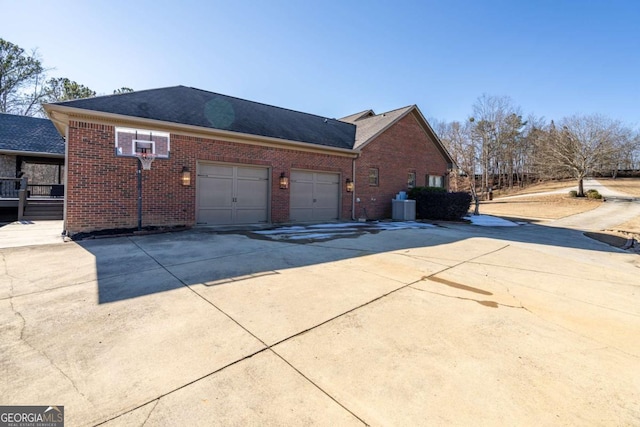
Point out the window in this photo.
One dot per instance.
(373, 177)
(411, 180)
(435, 181)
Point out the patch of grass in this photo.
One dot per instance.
(539, 207)
(630, 186)
(539, 188)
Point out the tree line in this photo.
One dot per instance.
(25, 84)
(497, 148)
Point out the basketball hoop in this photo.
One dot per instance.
(146, 159)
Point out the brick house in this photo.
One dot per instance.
(233, 161)
(398, 150)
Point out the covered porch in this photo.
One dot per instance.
(20, 200)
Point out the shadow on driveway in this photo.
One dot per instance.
(130, 267)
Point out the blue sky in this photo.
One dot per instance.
(334, 58)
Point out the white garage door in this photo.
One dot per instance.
(315, 196)
(232, 194)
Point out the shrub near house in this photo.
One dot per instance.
(434, 203)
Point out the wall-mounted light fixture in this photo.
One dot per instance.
(284, 181)
(185, 176)
(349, 185)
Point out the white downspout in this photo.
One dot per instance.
(355, 187)
(66, 170)
(65, 183)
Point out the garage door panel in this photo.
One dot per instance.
(215, 216)
(215, 192)
(250, 216)
(232, 194)
(253, 173)
(315, 196)
(215, 170)
(252, 193)
(302, 176)
(326, 178)
(326, 194)
(301, 194)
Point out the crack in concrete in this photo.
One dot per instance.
(517, 300)
(531, 270)
(20, 279)
(151, 412)
(572, 299)
(21, 338)
(4, 264)
(588, 337)
(486, 303)
(11, 278)
(17, 313)
(23, 328)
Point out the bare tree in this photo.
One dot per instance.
(21, 79)
(497, 129)
(457, 138)
(625, 145)
(529, 148)
(580, 146)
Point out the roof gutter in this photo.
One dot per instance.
(61, 115)
(32, 153)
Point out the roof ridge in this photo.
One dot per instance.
(265, 104)
(394, 110)
(108, 95)
(23, 116)
(359, 115)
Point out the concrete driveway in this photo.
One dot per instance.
(460, 325)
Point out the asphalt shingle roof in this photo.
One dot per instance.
(370, 125)
(190, 106)
(29, 134)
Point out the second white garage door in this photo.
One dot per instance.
(230, 194)
(315, 196)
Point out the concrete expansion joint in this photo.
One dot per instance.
(157, 399)
(326, 393)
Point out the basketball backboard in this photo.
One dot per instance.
(130, 142)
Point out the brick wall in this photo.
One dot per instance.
(403, 148)
(102, 189)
